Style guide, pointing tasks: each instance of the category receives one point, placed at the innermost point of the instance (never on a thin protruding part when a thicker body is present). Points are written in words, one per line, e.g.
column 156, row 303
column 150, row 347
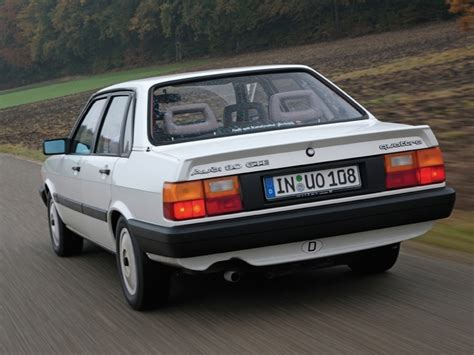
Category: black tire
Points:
column 63, row 241
column 151, row 287
column 375, row 260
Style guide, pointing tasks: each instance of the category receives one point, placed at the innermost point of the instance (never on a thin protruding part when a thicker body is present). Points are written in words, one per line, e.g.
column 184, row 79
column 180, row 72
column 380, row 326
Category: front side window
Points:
column 109, row 138
column 244, row 104
column 83, row 139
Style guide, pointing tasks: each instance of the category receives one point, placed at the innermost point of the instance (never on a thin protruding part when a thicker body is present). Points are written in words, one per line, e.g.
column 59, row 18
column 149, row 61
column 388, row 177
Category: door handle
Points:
column 76, row 168
column 104, row 171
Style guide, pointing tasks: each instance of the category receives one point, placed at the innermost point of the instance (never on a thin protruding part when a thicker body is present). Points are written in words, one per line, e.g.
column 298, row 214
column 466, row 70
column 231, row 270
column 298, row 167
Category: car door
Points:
column 69, row 167
column 97, row 170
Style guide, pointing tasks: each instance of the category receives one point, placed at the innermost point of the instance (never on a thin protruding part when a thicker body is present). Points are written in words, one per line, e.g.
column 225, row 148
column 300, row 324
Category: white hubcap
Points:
column 54, row 223
column 127, row 262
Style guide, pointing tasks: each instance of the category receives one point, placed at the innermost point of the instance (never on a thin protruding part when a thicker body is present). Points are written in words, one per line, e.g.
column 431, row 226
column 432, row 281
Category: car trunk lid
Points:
column 281, row 149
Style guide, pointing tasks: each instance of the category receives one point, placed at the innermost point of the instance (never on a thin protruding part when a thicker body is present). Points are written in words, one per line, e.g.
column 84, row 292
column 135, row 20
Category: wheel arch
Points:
column 50, row 191
column 49, row 188
column 117, row 210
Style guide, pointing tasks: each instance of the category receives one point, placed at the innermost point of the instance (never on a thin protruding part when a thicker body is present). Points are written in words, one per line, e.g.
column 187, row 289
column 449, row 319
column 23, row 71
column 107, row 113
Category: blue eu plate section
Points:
column 269, row 188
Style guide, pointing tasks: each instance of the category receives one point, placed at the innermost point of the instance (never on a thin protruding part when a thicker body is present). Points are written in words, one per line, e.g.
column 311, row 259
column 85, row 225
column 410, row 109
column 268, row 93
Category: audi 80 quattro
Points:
column 269, row 169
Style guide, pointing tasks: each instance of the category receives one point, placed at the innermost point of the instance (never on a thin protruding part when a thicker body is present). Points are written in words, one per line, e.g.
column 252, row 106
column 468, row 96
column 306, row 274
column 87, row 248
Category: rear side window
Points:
column 211, row 108
column 83, row 139
column 109, row 138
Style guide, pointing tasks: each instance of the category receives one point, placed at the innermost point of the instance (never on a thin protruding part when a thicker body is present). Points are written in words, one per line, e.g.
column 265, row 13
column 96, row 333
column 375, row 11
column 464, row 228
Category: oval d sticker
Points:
column 312, row 246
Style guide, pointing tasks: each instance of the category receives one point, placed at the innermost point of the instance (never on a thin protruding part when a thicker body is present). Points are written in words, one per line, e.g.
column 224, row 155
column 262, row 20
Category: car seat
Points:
column 206, row 124
column 279, row 111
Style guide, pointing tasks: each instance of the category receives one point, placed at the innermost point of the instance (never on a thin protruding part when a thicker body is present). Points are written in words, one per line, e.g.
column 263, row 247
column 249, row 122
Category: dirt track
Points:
column 61, row 305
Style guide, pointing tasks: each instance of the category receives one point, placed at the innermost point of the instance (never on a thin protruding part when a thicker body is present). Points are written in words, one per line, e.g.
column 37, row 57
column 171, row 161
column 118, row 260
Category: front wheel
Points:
column 64, row 241
column 375, row 260
column 145, row 283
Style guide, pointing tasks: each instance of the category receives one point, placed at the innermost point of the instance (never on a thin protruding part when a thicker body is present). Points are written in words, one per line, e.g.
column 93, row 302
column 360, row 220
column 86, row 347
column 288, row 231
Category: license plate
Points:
column 312, row 182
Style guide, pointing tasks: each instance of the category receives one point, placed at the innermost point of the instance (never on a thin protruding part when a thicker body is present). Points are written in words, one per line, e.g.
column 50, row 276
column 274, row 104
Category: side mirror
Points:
column 55, row 146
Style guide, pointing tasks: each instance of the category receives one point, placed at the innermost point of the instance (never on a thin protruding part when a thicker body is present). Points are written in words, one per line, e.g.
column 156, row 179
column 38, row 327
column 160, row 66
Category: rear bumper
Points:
column 295, row 225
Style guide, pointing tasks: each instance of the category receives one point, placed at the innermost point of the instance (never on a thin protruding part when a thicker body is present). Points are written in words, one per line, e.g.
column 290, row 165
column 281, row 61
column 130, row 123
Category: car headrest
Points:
column 243, row 113
column 277, row 105
column 207, row 121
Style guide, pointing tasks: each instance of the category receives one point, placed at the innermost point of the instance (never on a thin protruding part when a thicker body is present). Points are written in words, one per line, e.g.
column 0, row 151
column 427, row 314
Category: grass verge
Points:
column 38, row 92
column 22, row 151
column 456, row 233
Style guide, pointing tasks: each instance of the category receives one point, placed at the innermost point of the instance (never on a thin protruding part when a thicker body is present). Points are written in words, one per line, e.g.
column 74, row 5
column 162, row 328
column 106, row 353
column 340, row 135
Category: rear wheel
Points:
column 64, row 241
column 375, row 260
column 145, row 283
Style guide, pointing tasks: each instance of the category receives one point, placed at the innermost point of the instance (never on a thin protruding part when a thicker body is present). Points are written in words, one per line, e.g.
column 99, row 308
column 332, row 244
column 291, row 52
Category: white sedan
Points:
column 270, row 169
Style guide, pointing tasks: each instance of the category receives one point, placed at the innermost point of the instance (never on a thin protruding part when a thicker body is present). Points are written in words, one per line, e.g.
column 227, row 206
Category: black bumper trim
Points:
column 295, row 225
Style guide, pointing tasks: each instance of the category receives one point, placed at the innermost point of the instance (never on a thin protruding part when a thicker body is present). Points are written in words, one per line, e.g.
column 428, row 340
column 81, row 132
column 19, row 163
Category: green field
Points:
column 40, row 92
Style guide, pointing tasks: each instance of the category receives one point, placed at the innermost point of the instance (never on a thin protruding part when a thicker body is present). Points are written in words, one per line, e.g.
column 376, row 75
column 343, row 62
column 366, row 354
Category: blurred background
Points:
column 408, row 61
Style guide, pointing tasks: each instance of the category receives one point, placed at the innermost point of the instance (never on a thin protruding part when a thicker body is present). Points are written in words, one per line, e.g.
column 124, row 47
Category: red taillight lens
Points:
column 185, row 210
column 187, row 200
column 401, row 179
column 223, row 205
column 431, row 175
column 421, row 167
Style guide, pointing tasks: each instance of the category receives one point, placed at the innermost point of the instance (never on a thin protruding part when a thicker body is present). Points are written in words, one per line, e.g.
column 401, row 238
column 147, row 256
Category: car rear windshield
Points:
column 244, row 104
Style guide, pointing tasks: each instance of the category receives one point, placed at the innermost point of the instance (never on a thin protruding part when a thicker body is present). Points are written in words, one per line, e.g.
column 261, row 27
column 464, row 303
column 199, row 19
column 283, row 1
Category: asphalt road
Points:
column 48, row 304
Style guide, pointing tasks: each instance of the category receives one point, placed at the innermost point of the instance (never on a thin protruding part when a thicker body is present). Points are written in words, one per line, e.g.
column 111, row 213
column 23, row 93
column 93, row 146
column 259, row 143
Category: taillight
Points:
column 189, row 209
column 196, row 199
column 415, row 168
column 184, row 200
column 431, row 175
column 222, row 195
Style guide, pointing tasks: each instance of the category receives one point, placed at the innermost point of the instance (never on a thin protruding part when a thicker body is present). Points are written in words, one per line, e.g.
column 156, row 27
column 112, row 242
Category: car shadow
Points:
column 190, row 293
column 254, row 293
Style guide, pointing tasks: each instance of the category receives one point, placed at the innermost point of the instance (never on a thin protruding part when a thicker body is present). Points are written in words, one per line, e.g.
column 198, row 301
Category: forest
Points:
column 45, row 39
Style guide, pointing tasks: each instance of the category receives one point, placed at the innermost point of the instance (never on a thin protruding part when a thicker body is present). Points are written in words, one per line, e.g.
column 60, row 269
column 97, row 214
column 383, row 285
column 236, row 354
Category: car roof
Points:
column 146, row 83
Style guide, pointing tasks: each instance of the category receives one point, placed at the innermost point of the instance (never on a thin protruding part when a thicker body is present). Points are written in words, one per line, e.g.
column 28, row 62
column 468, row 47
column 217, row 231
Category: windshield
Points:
column 244, row 104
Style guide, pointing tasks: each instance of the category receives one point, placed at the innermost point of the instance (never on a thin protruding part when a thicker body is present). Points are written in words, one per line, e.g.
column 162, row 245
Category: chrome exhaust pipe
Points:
column 232, row 276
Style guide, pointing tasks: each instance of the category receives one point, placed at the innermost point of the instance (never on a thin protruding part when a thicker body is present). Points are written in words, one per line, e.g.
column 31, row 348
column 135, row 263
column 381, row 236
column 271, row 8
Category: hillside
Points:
column 417, row 76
